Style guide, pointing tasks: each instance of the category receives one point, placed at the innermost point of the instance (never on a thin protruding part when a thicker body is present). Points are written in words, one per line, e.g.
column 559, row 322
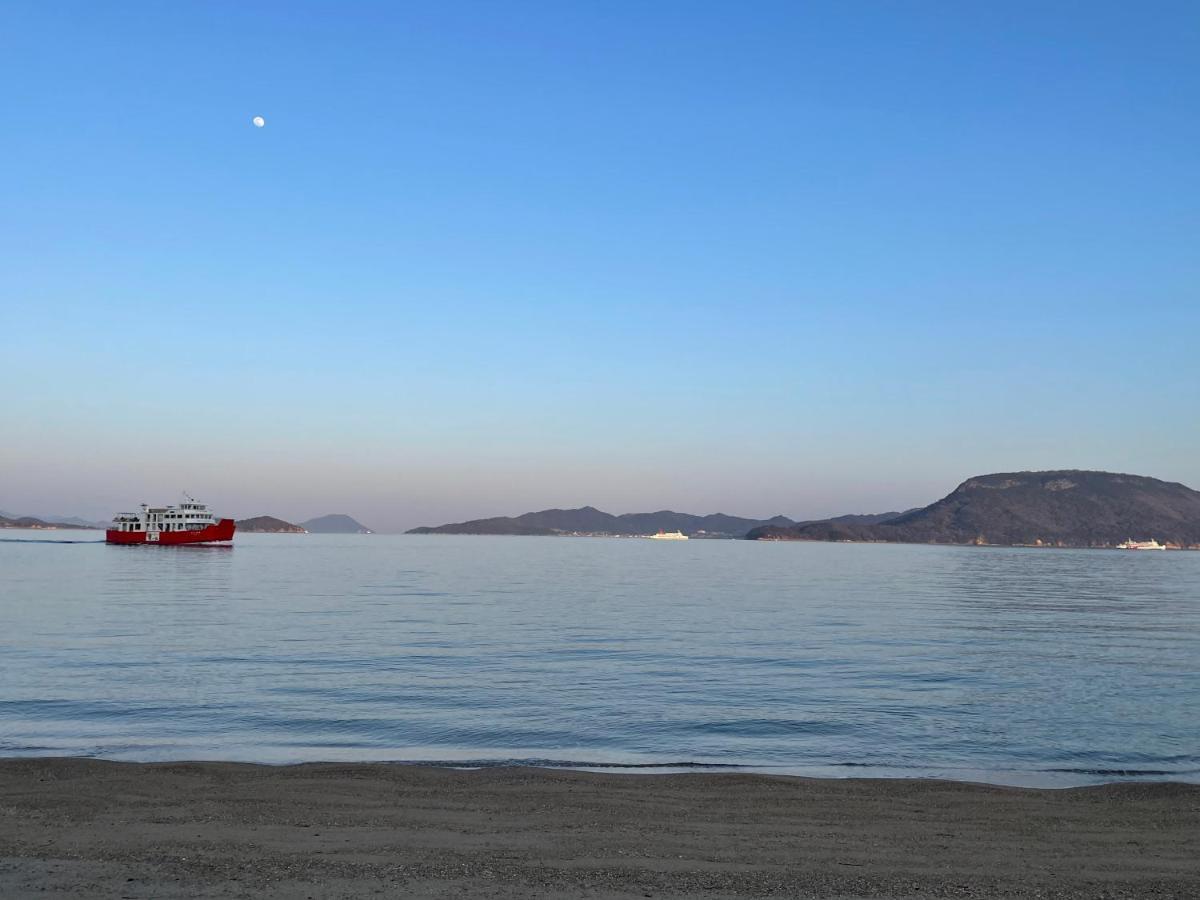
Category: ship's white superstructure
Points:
column 190, row 516
column 1141, row 545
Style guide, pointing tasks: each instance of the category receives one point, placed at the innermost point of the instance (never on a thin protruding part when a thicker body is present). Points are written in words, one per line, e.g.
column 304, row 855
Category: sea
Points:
column 1039, row 667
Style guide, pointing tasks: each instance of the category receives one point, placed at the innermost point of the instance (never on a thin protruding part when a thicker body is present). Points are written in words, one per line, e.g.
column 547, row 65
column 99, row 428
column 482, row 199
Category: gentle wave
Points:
column 45, row 541
column 1057, row 667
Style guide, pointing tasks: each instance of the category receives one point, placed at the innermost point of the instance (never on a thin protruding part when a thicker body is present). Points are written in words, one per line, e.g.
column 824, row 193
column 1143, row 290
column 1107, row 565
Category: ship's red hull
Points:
column 222, row 531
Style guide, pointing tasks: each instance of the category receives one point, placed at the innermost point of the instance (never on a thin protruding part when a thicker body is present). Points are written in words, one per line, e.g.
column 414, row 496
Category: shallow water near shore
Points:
column 1019, row 666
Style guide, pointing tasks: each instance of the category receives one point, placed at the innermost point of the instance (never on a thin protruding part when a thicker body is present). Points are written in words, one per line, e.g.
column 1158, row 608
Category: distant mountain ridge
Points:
column 32, row 522
column 1065, row 507
column 56, row 520
column 335, row 523
column 268, row 525
column 589, row 520
column 330, row 524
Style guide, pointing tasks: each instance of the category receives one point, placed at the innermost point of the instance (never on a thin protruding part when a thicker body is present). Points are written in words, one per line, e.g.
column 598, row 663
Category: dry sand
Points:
column 84, row 828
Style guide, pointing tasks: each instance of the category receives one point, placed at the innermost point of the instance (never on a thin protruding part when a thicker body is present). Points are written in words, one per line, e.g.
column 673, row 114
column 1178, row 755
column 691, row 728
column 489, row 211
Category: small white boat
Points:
column 1141, row 545
column 668, row 536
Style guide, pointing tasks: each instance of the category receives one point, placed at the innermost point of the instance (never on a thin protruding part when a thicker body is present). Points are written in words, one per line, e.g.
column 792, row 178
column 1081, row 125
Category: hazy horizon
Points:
column 484, row 260
column 382, row 517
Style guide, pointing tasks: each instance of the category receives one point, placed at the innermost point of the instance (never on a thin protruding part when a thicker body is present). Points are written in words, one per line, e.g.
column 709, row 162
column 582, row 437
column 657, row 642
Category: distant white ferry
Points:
column 1141, row 545
column 668, row 536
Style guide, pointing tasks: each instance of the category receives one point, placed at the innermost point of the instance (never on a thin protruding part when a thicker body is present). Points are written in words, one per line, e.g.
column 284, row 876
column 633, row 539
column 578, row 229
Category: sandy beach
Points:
column 86, row 828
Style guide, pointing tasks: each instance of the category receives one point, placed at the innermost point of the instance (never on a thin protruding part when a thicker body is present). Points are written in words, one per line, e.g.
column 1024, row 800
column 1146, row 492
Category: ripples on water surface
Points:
column 1020, row 666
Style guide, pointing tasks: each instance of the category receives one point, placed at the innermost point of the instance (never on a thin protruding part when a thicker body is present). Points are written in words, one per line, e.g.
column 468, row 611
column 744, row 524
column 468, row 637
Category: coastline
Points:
column 793, row 540
column 721, row 538
column 72, row 827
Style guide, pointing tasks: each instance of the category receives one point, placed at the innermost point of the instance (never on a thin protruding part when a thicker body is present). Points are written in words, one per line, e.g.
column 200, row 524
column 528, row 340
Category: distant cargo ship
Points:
column 668, row 536
column 187, row 523
column 1141, row 545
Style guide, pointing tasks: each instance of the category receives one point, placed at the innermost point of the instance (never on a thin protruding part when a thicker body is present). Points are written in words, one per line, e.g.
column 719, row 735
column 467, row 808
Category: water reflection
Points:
column 1061, row 665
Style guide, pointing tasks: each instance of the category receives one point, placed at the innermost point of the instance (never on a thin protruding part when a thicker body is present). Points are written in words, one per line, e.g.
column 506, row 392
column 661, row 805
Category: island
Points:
column 1060, row 508
column 1055, row 508
column 587, row 521
column 335, row 523
column 38, row 524
column 268, row 525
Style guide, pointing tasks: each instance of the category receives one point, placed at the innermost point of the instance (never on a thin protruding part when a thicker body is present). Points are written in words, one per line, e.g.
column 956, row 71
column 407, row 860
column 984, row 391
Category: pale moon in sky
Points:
column 259, row 121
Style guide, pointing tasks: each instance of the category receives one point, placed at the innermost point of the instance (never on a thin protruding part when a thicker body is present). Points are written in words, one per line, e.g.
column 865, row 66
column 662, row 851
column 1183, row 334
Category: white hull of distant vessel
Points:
column 1141, row 545
column 668, row 536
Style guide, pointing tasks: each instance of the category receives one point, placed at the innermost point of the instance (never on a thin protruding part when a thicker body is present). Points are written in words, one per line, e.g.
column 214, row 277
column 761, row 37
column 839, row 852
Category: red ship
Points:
column 187, row 523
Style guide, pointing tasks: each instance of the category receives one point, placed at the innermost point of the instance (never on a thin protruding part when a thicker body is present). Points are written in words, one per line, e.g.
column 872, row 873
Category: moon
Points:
column 259, row 121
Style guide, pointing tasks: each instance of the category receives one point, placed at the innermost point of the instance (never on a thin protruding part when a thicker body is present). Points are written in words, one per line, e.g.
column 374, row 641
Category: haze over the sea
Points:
column 482, row 259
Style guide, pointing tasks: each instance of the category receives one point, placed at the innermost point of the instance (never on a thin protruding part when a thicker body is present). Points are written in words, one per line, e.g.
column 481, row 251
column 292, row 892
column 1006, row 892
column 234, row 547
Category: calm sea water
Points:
column 1016, row 666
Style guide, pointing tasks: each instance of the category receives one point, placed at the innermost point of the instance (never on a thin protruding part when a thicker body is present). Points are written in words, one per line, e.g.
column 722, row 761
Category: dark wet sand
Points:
column 83, row 828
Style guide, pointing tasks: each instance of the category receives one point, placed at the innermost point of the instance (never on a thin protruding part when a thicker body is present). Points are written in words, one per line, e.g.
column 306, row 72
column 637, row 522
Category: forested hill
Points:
column 268, row 525
column 335, row 523
column 1068, row 508
column 589, row 520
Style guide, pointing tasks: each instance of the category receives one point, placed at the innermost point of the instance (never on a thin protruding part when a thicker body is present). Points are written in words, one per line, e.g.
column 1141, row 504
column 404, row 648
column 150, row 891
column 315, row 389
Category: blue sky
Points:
column 800, row 258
